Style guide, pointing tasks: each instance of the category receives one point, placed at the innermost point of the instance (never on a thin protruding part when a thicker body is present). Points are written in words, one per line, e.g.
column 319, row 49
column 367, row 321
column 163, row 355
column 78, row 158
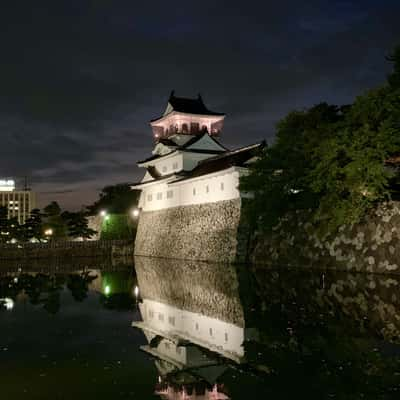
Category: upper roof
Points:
column 188, row 146
column 187, row 106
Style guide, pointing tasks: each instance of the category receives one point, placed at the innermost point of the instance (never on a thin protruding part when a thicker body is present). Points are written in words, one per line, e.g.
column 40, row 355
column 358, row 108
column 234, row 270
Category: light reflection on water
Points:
column 201, row 331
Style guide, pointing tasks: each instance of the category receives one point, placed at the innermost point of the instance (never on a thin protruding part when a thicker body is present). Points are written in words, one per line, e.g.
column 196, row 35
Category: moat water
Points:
column 178, row 330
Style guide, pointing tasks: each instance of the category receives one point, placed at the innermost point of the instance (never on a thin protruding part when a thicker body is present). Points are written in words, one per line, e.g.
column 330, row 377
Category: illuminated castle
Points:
column 188, row 168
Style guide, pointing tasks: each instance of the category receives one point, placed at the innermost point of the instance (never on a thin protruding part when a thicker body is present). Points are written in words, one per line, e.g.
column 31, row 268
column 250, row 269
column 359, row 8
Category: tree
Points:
column 4, row 225
column 116, row 199
column 350, row 176
column 279, row 179
column 33, row 227
column 77, row 225
column 117, row 227
column 394, row 77
column 54, row 220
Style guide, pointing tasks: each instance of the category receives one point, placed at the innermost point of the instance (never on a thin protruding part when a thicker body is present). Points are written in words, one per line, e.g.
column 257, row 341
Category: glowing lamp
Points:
column 135, row 212
column 103, row 213
column 8, row 303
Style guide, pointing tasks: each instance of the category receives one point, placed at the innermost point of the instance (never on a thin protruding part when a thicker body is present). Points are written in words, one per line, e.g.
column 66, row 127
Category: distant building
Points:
column 19, row 203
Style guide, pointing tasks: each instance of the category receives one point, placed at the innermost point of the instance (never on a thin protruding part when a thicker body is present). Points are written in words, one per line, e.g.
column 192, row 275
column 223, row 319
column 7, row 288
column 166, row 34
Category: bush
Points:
column 117, row 227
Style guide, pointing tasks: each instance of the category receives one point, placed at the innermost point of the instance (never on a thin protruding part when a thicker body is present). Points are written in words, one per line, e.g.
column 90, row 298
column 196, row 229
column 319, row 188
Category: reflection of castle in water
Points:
column 194, row 323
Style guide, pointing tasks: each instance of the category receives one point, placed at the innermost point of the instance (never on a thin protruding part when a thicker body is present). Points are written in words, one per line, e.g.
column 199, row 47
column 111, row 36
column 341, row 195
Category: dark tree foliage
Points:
column 394, row 77
column 117, row 227
column 33, row 227
column 279, row 180
column 116, row 199
column 77, row 225
column 54, row 220
column 330, row 160
column 4, row 225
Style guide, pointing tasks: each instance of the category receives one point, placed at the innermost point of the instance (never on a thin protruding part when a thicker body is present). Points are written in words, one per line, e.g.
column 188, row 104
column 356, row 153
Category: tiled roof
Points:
column 235, row 158
column 189, row 106
column 184, row 147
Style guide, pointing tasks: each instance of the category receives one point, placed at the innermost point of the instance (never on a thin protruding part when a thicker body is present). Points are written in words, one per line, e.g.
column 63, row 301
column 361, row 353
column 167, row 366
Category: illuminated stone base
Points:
column 206, row 232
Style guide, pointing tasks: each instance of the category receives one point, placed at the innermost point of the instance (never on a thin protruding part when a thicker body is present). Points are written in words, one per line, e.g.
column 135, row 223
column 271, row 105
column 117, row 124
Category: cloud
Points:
column 80, row 81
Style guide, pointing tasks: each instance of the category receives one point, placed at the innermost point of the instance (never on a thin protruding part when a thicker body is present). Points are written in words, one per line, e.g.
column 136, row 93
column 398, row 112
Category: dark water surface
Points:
column 182, row 330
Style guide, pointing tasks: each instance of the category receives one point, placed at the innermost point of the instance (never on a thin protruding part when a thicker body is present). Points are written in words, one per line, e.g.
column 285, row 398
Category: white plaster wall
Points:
column 208, row 189
column 212, row 333
column 166, row 166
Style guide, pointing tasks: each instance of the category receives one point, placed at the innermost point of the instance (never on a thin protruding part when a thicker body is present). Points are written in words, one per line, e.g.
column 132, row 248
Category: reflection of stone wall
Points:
column 371, row 246
column 368, row 304
column 198, row 232
column 208, row 289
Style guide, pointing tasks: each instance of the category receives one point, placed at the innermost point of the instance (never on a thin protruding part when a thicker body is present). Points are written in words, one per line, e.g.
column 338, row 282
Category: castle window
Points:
column 207, row 189
column 197, row 326
column 171, row 320
column 222, row 186
column 226, row 337
column 164, row 169
column 161, row 317
column 178, row 350
column 149, row 197
column 211, row 332
column 175, row 165
column 170, row 194
column 194, row 127
column 151, row 314
column 159, row 196
column 194, row 191
column 185, row 128
column 167, row 345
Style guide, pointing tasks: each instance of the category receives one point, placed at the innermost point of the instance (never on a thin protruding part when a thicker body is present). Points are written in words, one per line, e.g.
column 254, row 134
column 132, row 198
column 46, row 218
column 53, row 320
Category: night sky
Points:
column 79, row 80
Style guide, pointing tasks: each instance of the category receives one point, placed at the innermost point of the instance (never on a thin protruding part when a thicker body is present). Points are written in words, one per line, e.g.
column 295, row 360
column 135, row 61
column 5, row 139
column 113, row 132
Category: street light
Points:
column 135, row 212
column 48, row 232
column 103, row 213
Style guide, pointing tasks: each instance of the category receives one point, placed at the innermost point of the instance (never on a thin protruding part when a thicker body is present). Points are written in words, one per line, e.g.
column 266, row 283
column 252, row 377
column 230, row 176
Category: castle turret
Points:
column 188, row 117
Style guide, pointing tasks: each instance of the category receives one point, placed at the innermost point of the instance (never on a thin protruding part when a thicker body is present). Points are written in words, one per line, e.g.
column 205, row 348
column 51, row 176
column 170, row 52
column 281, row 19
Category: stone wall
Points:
column 370, row 246
column 198, row 232
column 66, row 250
